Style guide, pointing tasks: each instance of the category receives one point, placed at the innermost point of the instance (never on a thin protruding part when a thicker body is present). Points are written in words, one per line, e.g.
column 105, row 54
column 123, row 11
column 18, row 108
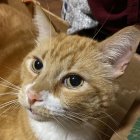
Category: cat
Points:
column 66, row 82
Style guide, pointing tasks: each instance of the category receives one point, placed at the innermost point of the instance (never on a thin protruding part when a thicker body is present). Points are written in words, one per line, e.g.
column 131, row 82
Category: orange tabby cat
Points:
column 67, row 82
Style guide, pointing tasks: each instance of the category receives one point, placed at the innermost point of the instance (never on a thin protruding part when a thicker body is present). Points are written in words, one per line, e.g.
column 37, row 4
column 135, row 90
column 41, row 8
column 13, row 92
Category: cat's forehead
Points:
column 63, row 47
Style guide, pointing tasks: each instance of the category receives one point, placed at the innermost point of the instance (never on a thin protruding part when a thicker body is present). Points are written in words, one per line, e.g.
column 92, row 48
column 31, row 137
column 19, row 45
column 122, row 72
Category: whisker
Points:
column 11, row 69
column 103, row 23
column 108, row 127
column 109, row 116
column 16, row 93
column 71, row 118
column 77, row 115
column 58, row 121
column 10, row 83
column 7, row 109
column 75, row 118
column 7, row 84
column 96, row 128
column 100, row 131
column 8, row 103
column 11, row 93
column 9, row 87
column 15, row 105
column 12, row 107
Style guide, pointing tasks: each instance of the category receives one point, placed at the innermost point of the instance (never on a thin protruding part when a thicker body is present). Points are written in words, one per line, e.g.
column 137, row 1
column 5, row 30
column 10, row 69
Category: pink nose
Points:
column 33, row 97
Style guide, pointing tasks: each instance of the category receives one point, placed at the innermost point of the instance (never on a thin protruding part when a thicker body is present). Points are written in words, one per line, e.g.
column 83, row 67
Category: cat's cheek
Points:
column 51, row 102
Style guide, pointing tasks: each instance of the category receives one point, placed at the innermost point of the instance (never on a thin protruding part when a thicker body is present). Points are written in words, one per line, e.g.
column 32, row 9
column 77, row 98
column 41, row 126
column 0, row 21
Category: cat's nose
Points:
column 33, row 97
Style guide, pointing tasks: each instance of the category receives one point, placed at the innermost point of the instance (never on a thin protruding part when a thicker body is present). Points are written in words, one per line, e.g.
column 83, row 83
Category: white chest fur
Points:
column 52, row 131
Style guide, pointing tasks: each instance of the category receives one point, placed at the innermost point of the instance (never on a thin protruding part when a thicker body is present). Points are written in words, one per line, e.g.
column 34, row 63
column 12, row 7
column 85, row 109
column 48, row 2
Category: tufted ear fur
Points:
column 119, row 48
column 44, row 26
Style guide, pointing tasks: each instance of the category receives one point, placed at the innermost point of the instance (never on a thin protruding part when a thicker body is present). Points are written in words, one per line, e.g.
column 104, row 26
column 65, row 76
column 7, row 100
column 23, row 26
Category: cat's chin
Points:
column 37, row 117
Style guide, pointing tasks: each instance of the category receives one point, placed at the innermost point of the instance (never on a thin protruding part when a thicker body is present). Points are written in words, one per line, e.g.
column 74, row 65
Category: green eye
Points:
column 37, row 65
column 73, row 81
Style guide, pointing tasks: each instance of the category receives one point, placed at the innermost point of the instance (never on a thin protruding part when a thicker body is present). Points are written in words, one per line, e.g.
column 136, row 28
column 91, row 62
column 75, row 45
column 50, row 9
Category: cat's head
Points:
column 69, row 77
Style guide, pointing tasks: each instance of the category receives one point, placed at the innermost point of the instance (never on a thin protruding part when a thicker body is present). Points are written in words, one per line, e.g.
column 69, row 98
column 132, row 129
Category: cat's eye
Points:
column 73, row 81
column 37, row 65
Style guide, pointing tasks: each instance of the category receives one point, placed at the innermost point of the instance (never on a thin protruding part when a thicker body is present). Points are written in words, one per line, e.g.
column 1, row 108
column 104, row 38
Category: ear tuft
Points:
column 118, row 50
column 44, row 26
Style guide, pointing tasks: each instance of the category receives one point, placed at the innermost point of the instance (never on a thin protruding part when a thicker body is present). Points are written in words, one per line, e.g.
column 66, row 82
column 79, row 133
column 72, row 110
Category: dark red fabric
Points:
column 115, row 14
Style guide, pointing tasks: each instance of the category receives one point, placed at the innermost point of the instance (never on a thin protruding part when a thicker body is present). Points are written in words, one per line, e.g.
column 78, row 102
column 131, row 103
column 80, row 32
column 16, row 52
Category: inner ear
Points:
column 43, row 24
column 118, row 50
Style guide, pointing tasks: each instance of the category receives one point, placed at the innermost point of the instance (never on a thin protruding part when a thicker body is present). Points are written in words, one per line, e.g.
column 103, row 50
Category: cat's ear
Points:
column 43, row 24
column 118, row 50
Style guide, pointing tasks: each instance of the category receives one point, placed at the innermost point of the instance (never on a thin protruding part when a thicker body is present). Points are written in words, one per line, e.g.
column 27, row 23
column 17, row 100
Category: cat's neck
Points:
column 53, row 131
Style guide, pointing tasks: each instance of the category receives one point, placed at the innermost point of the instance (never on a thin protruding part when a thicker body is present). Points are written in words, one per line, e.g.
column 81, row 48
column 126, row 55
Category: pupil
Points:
column 75, row 80
column 66, row 6
column 38, row 65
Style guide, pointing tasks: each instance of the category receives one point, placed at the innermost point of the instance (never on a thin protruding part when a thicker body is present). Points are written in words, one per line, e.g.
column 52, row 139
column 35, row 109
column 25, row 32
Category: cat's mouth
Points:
column 38, row 115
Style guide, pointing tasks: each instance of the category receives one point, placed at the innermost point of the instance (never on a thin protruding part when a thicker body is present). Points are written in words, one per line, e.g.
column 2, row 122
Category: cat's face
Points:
column 71, row 78
column 67, row 75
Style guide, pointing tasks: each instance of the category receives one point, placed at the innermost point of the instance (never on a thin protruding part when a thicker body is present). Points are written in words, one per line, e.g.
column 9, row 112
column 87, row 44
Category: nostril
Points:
column 31, row 101
column 33, row 97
